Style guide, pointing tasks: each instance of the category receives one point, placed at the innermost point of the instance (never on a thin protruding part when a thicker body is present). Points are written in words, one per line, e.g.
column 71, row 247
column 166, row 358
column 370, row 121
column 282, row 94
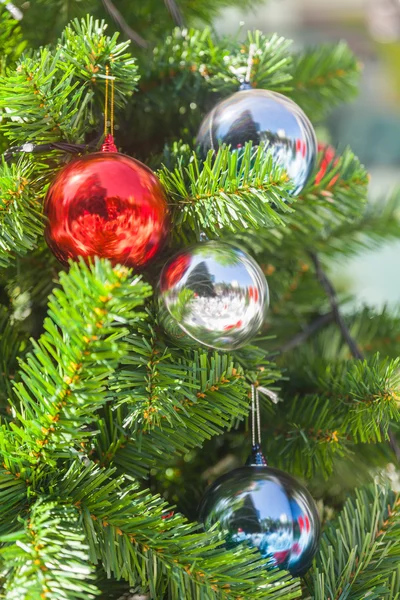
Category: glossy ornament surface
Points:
column 267, row 118
column 214, row 293
column 109, row 205
column 328, row 157
column 268, row 509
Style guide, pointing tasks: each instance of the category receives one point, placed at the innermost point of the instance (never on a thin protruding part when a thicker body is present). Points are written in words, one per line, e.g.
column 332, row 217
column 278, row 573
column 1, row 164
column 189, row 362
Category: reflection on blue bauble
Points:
column 263, row 118
column 267, row 509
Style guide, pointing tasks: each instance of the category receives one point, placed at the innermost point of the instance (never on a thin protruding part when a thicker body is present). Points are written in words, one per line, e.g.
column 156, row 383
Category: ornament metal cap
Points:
column 245, row 85
column 256, row 458
column 109, row 144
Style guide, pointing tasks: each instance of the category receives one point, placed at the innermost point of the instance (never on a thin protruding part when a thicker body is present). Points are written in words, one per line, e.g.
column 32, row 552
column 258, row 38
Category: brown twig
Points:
column 333, row 301
column 307, row 332
column 120, row 21
column 350, row 341
column 175, row 12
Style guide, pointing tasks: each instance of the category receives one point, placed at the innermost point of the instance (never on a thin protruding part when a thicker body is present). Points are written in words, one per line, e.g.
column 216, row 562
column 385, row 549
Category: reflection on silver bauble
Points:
column 267, row 509
column 266, row 118
column 214, row 293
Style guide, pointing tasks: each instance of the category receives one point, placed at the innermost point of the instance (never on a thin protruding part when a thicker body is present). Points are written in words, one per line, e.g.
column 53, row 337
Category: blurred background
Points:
column 371, row 125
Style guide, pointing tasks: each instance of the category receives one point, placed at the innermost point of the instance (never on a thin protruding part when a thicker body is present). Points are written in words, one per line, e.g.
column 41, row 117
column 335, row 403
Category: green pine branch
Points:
column 13, row 494
column 371, row 399
column 271, row 63
column 226, row 193
column 167, row 401
column 52, row 95
column 340, row 195
column 324, row 77
column 178, row 56
column 317, row 79
column 337, row 406
column 37, row 103
column 135, row 538
column 310, row 439
column 360, row 551
column 89, row 50
column 64, row 379
column 20, row 212
column 12, row 344
column 12, row 42
column 377, row 225
column 47, row 558
column 338, row 200
column 171, row 401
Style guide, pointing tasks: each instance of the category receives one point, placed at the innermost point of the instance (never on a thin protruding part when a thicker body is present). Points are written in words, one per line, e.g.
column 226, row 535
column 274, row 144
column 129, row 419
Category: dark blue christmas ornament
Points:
column 267, row 509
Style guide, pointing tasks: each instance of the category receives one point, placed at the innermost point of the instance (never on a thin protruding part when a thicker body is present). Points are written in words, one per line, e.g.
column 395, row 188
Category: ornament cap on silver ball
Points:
column 245, row 85
column 213, row 293
column 256, row 458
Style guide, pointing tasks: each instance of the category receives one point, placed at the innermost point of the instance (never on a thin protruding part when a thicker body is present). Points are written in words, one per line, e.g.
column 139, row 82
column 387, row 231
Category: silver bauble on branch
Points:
column 265, row 508
column 214, row 294
column 264, row 118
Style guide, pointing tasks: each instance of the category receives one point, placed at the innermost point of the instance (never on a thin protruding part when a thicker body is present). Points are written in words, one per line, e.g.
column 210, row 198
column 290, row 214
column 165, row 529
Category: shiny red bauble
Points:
column 108, row 205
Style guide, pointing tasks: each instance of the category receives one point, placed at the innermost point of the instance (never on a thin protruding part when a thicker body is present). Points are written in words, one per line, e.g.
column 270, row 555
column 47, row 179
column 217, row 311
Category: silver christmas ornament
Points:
column 215, row 294
column 266, row 118
column 265, row 508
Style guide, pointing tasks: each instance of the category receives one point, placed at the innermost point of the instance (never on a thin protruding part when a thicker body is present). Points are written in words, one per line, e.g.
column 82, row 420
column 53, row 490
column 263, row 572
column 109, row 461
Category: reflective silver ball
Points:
column 266, row 118
column 215, row 294
column 265, row 508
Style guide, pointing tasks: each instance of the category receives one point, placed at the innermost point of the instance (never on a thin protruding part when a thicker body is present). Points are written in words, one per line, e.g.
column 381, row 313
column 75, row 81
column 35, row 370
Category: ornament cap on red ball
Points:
column 109, row 144
column 109, row 205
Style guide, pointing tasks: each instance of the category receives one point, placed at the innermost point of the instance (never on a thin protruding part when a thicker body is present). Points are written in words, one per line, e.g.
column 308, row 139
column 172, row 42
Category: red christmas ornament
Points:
column 327, row 157
column 109, row 205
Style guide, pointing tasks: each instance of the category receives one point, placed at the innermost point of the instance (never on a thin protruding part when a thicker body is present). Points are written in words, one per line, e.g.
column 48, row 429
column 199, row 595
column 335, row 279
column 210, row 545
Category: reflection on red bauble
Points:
column 109, row 205
column 178, row 267
column 327, row 158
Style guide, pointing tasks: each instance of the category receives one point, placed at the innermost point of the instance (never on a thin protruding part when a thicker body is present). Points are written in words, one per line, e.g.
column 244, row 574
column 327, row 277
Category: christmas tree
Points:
column 111, row 428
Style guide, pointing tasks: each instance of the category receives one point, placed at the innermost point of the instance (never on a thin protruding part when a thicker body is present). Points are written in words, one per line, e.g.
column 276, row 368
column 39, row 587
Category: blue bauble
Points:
column 264, row 118
column 267, row 509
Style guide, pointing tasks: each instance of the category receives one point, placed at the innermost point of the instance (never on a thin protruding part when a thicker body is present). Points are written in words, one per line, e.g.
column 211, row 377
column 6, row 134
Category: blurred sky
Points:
column 371, row 125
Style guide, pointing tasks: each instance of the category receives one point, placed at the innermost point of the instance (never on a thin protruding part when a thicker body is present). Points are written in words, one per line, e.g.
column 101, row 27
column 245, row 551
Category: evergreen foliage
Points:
column 109, row 431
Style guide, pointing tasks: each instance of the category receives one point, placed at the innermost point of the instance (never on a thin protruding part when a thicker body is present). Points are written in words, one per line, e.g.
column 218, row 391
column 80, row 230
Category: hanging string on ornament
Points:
column 264, row 508
column 109, row 144
column 256, row 457
column 106, row 204
column 246, row 83
column 269, row 393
